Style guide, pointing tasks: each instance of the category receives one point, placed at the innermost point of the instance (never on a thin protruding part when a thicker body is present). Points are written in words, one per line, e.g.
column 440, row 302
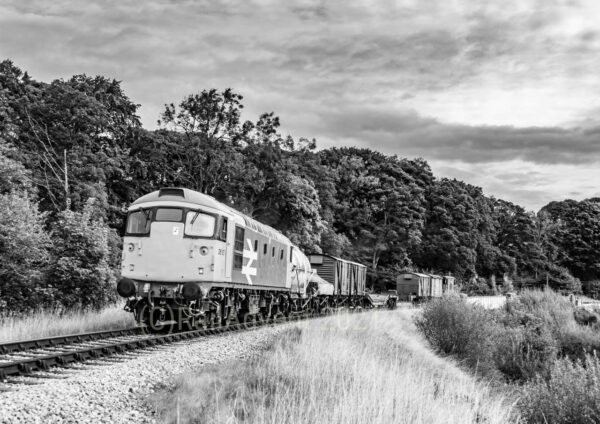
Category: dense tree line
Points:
column 74, row 155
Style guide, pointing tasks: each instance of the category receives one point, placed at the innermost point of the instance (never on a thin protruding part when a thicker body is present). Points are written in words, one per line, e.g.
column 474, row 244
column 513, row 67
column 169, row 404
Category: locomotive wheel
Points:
column 152, row 316
column 260, row 319
column 248, row 319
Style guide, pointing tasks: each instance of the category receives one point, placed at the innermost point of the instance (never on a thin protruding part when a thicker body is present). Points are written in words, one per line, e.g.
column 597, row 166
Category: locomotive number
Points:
column 221, row 252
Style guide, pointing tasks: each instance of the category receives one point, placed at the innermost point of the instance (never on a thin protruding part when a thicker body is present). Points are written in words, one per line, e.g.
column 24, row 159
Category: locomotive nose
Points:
column 126, row 287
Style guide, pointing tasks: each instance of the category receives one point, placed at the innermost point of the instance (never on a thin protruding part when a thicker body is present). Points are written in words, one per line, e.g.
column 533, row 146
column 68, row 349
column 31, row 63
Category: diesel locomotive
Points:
column 191, row 260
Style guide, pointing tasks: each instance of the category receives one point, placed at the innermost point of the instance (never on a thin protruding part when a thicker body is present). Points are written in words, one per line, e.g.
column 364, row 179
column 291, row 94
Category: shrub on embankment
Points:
column 538, row 341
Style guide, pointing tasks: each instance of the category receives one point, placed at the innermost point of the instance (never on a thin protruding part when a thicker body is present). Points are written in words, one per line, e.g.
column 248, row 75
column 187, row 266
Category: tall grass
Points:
column 47, row 323
column 538, row 340
column 364, row 368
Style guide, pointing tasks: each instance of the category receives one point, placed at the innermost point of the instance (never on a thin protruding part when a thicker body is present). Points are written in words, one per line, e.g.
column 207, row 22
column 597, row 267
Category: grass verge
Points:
column 361, row 368
column 47, row 323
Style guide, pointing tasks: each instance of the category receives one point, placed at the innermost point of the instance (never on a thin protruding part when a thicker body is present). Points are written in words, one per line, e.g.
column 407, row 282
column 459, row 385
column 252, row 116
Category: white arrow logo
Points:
column 252, row 256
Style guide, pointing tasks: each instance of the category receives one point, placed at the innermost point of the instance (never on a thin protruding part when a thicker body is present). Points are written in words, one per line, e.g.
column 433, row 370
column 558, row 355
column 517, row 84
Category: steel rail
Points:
column 56, row 341
column 26, row 366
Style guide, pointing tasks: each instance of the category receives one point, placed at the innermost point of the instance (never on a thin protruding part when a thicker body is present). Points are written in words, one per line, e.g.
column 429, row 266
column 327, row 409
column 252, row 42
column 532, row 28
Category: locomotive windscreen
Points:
column 199, row 224
column 138, row 222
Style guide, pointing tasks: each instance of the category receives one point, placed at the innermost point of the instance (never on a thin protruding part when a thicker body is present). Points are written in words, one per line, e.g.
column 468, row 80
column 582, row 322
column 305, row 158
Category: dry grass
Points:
column 47, row 323
column 362, row 368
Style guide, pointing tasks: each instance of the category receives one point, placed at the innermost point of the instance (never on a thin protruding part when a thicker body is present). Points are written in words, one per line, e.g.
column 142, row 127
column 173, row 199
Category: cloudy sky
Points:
column 502, row 94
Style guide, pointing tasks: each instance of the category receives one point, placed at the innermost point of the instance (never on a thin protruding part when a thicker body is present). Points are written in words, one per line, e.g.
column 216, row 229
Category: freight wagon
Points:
column 436, row 285
column 414, row 286
column 348, row 278
column 448, row 284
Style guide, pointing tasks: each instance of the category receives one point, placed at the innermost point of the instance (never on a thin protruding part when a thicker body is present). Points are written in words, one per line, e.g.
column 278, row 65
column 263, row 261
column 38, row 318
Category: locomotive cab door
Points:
column 225, row 236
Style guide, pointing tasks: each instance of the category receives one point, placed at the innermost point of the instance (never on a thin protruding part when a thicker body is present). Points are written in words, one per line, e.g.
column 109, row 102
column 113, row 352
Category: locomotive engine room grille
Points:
column 238, row 248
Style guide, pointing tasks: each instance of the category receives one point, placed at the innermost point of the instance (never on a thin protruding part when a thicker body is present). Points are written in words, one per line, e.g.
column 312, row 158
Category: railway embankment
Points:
column 349, row 368
column 539, row 345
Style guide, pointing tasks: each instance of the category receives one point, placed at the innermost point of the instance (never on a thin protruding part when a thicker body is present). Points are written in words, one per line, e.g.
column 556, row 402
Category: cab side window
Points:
column 223, row 232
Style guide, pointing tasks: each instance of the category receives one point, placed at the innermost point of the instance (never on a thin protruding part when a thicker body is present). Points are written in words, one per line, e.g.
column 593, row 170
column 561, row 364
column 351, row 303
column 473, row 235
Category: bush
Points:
column 557, row 317
column 455, row 327
column 552, row 308
column 519, row 342
column 81, row 269
column 578, row 342
column 571, row 394
column 592, row 289
column 521, row 353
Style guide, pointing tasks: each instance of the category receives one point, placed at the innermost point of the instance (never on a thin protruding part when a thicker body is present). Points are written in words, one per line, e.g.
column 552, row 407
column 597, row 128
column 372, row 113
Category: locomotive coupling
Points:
column 126, row 287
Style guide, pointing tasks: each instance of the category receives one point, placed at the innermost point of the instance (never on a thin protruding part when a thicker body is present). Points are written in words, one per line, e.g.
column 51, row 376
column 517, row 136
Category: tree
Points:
column 23, row 253
column 577, row 236
column 379, row 204
column 210, row 114
column 73, row 130
column 80, row 268
column 13, row 175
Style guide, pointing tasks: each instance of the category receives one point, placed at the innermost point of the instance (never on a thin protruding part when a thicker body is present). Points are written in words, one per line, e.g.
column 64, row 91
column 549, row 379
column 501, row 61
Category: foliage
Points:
column 571, row 394
column 80, row 268
column 13, row 175
column 84, row 120
column 454, row 327
column 524, row 351
column 518, row 342
column 379, row 203
column 577, row 235
column 24, row 253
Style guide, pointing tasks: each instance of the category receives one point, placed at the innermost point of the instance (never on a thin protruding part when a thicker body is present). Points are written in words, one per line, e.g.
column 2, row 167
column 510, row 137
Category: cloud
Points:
column 526, row 183
column 407, row 133
column 474, row 82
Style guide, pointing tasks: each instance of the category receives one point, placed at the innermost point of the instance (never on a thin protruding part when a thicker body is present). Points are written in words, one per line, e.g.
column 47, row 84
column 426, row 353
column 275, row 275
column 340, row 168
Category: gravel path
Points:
column 114, row 392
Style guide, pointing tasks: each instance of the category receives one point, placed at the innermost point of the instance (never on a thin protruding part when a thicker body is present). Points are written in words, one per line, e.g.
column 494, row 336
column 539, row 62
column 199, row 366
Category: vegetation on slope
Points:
column 362, row 368
column 538, row 341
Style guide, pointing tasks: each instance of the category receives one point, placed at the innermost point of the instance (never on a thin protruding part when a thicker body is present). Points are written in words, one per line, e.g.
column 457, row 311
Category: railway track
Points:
column 24, row 358
column 49, row 342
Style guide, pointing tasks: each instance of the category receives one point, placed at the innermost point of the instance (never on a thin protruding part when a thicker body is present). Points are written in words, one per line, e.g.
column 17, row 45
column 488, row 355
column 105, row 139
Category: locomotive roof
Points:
column 185, row 195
